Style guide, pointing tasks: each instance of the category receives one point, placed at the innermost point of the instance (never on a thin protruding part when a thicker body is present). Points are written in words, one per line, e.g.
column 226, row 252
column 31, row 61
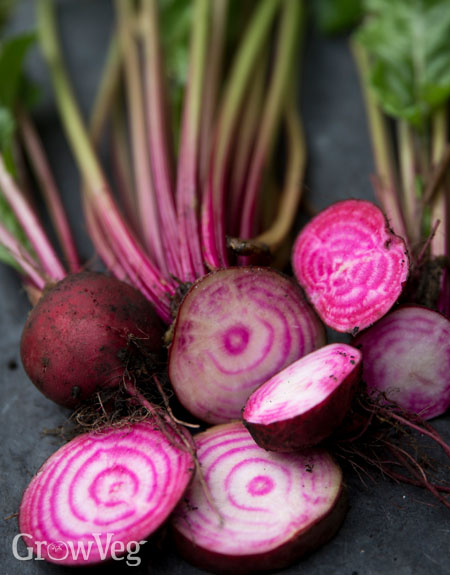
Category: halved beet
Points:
column 303, row 404
column 350, row 264
column 236, row 328
column 261, row 510
column 407, row 357
column 103, row 491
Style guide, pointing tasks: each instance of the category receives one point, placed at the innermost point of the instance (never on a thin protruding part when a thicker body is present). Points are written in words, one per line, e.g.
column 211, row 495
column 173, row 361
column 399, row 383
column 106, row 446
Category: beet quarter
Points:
column 350, row 264
column 264, row 510
column 304, row 403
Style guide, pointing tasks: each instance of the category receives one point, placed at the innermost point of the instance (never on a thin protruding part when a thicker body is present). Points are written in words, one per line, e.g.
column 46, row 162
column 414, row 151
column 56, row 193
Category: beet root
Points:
column 304, row 403
column 76, row 340
column 236, row 328
column 351, row 265
column 260, row 510
column 103, row 491
column 407, row 357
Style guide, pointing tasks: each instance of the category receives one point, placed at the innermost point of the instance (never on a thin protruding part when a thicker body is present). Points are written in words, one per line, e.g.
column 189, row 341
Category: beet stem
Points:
column 213, row 221
column 148, row 211
column 23, row 258
column 188, row 178
column 288, row 32
column 158, row 139
column 293, row 187
column 386, row 185
column 49, row 189
column 30, row 224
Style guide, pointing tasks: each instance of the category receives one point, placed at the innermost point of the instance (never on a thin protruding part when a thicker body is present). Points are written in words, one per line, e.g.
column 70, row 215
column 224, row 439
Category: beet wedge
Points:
column 304, row 403
column 262, row 510
column 350, row 264
column 236, row 328
column 103, row 491
column 407, row 357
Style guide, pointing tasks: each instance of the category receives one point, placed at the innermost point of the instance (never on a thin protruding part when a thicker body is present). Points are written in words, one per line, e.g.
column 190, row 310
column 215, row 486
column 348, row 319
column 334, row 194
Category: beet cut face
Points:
column 350, row 264
column 235, row 329
column 406, row 355
column 271, row 508
column 123, row 482
column 304, row 403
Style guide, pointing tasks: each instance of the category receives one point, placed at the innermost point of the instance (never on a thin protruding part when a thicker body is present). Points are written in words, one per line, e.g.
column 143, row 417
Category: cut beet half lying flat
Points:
column 103, row 491
column 235, row 329
column 303, row 404
column 350, row 264
column 262, row 510
column 407, row 357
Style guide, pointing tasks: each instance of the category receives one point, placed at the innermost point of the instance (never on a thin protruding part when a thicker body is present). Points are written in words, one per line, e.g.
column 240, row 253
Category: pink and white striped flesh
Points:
column 303, row 404
column 261, row 510
column 407, row 357
column 351, row 265
column 236, row 328
column 102, row 491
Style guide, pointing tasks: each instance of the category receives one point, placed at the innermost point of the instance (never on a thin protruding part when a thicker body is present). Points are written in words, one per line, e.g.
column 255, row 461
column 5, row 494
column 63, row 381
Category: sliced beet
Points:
column 406, row 355
column 261, row 510
column 236, row 328
column 303, row 404
column 350, row 264
column 102, row 491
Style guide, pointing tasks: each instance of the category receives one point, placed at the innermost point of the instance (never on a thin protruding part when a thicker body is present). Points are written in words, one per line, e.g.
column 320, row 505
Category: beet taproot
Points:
column 77, row 338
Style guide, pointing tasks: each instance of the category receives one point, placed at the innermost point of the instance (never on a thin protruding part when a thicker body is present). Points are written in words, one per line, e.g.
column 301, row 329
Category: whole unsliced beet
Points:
column 76, row 339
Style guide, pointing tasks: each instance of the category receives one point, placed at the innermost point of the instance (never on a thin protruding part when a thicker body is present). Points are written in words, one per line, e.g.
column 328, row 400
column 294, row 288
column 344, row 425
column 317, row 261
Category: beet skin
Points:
column 76, row 339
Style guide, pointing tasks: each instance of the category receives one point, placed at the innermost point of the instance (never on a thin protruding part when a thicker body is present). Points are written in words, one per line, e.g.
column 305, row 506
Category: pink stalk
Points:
column 101, row 243
column 213, row 221
column 31, row 225
column 271, row 117
column 158, row 131
column 49, row 190
column 188, row 180
column 145, row 193
column 140, row 270
column 214, row 63
column 292, row 192
column 121, row 167
column 23, row 258
column 245, row 144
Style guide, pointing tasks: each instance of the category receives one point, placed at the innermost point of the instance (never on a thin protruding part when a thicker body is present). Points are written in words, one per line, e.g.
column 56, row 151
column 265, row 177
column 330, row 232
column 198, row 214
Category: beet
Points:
column 260, row 510
column 407, row 357
column 351, row 265
column 303, row 404
column 76, row 340
column 236, row 328
column 103, row 491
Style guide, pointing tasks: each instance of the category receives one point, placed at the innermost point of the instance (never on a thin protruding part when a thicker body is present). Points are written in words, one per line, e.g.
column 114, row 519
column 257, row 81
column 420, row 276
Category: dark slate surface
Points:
column 390, row 529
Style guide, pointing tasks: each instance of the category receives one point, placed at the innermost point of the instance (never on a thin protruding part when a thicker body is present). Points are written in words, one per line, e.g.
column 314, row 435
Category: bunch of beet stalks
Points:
column 187, row 245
